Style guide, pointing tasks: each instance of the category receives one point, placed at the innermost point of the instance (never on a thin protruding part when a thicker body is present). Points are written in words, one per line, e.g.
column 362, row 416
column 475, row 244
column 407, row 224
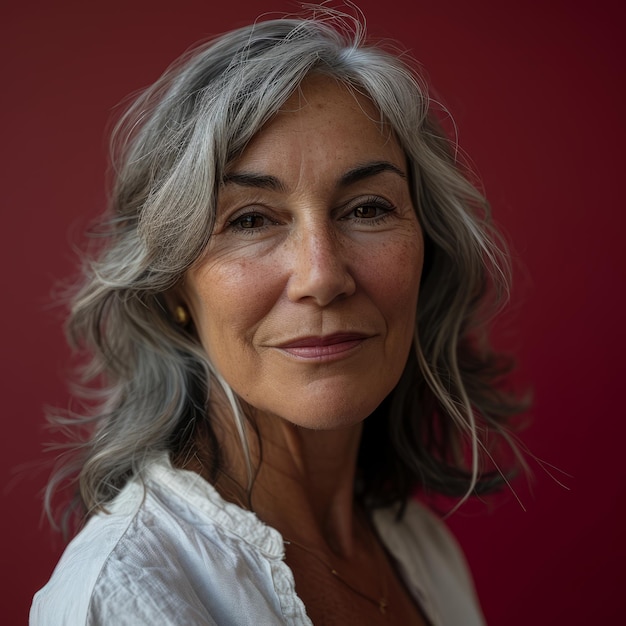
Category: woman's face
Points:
column 305, row 298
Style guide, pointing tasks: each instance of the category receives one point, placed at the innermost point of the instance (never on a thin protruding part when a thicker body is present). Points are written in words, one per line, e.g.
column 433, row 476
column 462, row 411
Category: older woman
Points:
column 283, row 322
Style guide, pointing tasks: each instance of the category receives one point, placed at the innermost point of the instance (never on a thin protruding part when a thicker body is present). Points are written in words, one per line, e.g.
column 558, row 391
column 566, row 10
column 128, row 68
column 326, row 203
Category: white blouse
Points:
column 172, row 552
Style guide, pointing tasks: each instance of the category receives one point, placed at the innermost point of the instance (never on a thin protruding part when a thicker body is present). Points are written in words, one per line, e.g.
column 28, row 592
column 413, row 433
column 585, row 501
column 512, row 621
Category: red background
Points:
column 537, row 92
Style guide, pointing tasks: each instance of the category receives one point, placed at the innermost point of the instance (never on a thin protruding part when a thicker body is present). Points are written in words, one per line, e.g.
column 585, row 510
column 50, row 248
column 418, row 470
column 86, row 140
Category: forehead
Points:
column 324, row 123
column 320, row 93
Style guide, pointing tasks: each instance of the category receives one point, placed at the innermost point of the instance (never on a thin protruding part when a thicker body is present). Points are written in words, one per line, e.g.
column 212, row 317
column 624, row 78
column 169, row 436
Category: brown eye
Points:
column 366, row 212
column 247, row 222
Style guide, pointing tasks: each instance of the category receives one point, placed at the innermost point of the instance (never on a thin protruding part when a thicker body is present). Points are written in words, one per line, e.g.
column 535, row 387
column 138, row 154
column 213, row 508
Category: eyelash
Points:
column 235, row 224
column 375, row 202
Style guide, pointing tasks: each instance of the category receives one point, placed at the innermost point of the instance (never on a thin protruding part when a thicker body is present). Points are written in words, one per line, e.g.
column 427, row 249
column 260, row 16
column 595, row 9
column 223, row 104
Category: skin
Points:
column 305, row 302
column 312, row 258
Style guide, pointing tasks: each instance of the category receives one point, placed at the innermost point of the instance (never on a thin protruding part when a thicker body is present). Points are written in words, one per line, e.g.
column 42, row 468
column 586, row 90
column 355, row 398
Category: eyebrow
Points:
column 367, row 170
column 356, row 174
column 248, row 179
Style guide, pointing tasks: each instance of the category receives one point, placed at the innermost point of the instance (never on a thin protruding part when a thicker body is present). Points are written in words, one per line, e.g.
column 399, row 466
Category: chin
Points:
column 321, row 415
column 330, row 403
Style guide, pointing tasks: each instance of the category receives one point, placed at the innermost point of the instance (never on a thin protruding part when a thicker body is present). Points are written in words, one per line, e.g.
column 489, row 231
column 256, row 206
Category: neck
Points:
column 305, row 482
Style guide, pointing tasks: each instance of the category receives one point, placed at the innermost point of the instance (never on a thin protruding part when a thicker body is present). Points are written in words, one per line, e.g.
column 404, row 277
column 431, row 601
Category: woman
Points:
column 284, row 321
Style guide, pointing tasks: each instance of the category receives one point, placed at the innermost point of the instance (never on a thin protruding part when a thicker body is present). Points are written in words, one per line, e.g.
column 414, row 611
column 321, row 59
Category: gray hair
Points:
column 152, row 379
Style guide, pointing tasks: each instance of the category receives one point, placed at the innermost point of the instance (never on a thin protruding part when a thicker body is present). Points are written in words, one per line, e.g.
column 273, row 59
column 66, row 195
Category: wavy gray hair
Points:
column 170, row 151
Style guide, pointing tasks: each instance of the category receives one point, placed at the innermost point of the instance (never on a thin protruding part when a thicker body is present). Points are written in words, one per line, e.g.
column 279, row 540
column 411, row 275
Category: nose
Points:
column 319, row 266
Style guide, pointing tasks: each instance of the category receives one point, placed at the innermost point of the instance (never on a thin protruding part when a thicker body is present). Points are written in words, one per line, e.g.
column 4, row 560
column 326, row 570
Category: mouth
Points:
column 323, row 348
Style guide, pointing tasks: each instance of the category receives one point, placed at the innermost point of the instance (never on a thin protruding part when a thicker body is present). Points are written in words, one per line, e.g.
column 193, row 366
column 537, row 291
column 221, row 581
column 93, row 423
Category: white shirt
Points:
column 172, row 552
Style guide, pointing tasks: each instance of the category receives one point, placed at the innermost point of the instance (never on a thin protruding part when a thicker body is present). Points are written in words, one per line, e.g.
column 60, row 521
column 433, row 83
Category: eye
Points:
column 249, row 221
column 369, row 210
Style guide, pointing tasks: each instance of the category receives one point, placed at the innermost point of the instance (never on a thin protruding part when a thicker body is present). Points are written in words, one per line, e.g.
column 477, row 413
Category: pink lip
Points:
column 323, row 347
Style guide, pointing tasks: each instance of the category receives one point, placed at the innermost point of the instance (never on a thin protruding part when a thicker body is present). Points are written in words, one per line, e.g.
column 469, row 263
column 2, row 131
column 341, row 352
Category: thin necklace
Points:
column 382, row 603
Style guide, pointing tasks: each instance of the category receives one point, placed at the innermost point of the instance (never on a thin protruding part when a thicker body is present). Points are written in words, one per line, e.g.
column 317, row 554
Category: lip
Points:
column 325, row 347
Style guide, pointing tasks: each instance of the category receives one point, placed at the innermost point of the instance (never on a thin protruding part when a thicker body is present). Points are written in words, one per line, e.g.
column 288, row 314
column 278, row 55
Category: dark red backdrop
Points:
column 537, row 92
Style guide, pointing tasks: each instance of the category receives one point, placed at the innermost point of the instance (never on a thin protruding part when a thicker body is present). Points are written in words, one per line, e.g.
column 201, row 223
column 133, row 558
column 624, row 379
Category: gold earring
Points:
column 181, row 316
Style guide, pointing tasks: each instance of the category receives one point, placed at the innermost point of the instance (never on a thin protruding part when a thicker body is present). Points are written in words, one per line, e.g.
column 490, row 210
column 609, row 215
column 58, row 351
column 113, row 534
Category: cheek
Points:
column 227, row 301
column 395, row 274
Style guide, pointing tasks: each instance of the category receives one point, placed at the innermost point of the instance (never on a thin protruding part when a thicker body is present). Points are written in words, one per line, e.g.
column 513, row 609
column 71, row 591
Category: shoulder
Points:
column 431, row 562
column 169, row 552
column 84, row 568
